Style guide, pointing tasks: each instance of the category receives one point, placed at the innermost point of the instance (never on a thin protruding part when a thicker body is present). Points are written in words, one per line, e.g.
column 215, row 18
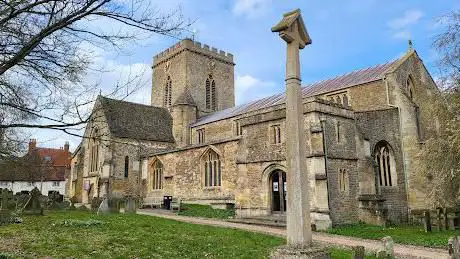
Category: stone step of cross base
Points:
column 279, row 222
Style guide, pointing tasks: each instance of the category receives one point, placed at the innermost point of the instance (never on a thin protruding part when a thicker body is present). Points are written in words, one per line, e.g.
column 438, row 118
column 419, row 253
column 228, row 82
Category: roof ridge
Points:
column 130, row 102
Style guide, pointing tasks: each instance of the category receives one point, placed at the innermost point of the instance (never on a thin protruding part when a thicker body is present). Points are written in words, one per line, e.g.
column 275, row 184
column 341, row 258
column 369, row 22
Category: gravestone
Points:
column 6, row 196
column 388, row 246
column 451, row 221
column 33, row 205
column 358, row 252
column 454, row 247
column 104, row 207
column 130, row 205
column 426, row 221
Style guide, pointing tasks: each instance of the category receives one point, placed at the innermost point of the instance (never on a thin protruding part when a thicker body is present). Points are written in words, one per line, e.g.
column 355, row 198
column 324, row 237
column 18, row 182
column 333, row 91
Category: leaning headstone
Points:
column 33, row 205
column 104, row 207
column 426, row 221
column 358, row 252
column 454, row 247
column 388, row 246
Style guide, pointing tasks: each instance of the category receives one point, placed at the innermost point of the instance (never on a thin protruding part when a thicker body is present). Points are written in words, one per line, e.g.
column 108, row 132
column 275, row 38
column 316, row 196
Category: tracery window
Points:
column 157, row 176
column 94, row 151
column 212, row 169
column 200, row 135
column 168, row 92
column 211, row 100
column 384, row 159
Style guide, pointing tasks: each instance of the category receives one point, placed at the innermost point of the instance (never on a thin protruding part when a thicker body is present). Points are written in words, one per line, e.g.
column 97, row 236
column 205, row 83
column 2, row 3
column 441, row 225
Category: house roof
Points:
column 357, row 77
column 47, row 164
column 137, row 121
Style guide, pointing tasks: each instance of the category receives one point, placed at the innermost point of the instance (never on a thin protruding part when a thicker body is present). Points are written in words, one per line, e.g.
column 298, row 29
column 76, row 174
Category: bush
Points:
column 205, row 211
column 74, row 199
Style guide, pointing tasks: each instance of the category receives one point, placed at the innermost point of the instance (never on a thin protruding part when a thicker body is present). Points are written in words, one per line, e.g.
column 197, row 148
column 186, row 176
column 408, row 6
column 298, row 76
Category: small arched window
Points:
column 211, row 96
column 385, row 164
column 212, row 169
column 157, row 176
column 126, row 166
column 94, row 151
column 410, row 87
column 168, row 92
column 343, row 180
column 345, row 100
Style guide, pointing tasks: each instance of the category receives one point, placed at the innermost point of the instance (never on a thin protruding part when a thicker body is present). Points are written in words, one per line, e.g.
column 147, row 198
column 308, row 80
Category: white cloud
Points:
column 410, row 17
column 251, row 8
column 400, row 26
column 249, row 88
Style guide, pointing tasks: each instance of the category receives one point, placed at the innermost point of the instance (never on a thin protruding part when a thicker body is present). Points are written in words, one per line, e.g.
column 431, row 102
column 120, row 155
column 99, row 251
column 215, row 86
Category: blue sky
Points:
column 347, row 35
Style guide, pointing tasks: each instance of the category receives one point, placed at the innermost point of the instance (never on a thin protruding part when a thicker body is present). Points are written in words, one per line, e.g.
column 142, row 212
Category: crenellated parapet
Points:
column 192, row 46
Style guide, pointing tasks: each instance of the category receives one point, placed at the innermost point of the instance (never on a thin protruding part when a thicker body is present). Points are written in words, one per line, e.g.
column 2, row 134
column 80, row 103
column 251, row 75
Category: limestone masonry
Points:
column 362, row 133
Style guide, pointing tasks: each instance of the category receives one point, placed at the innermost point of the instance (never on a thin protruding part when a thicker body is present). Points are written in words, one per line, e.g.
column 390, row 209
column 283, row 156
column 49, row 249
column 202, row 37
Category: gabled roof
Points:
column 137, row 121
column 354, row 78
column 185, row 98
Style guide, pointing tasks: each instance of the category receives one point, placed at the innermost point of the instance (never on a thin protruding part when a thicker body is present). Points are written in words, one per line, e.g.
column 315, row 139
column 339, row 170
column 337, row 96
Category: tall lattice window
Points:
column 157, row 176
column 212, row 169
column 94, row 151
column 168, row 92
column 385, row 165
column 211, row 96
column 126, row 166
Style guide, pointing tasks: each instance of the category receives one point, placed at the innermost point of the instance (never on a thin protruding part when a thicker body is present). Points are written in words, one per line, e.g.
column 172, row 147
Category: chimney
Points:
column 66, row 146
column 32, row 145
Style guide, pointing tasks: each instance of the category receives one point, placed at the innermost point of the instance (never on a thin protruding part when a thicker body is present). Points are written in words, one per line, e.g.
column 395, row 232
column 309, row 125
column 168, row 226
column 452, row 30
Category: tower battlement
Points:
column 193, row 46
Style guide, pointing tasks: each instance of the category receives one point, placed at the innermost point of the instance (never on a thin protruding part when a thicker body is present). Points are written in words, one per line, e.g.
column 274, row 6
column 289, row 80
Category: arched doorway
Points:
column 278, row 191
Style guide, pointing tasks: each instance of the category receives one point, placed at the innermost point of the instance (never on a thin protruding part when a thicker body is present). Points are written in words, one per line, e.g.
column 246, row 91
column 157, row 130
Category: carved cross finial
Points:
column 410, row 44
column 292, row 29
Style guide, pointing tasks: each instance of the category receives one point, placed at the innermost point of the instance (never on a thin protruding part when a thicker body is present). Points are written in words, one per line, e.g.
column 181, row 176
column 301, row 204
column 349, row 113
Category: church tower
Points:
column 204, row 72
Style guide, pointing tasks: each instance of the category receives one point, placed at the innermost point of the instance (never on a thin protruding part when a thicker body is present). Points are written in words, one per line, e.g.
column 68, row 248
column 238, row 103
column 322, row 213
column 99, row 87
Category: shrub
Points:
column 95, row 203
column 74, row 199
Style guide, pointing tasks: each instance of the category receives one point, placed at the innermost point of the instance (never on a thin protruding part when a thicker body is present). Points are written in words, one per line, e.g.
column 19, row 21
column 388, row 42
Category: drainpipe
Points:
column 323, row 130
column 402, row 142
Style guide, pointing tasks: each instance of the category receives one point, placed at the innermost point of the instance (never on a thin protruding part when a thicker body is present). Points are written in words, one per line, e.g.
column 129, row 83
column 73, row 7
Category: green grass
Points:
column 79, row 234
column 337, row 253
column 205, row 211
column 411, row 235
column 127, row 236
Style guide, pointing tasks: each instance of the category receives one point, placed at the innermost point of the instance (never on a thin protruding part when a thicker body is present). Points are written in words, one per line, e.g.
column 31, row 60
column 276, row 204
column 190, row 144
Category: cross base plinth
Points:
column 293, row 252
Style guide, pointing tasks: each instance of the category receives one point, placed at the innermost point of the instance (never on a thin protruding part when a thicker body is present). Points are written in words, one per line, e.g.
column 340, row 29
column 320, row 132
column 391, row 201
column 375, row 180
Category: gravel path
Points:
column 402, row 251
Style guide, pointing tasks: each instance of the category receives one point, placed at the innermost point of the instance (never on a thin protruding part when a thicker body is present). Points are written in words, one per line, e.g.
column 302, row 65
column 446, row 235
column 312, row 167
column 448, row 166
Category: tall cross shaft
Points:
column 292, row 30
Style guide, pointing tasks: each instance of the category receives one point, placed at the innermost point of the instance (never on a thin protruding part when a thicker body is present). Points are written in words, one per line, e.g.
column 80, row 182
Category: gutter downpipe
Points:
column 402, row 142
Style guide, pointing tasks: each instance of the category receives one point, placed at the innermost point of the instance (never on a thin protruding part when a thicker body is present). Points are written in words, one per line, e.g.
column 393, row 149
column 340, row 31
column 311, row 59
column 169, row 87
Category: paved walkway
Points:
column 403, row 251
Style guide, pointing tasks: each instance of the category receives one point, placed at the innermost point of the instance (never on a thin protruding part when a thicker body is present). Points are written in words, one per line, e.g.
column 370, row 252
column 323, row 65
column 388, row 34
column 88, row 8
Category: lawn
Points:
column 411, row 235
column 81, row 234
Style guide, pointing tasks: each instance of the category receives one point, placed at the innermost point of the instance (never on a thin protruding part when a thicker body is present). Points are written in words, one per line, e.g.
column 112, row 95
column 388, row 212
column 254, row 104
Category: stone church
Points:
column 363, row 131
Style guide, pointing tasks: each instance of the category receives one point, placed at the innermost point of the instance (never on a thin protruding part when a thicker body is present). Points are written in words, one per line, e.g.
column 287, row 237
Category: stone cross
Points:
column 292, row 30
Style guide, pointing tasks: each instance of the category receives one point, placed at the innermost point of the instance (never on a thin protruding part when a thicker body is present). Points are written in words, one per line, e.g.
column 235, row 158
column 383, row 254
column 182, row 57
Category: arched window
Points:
column 345, row 100
column 338, row 100
column 211, row 97
column 157, row 176
column 126, row 166
column 385, row 164
column 94, row 151
column 410, row 87
column 168, row 92
column 343, row 180
column 212, row 169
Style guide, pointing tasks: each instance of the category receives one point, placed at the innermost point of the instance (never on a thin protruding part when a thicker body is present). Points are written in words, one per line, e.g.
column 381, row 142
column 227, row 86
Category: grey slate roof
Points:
column 137, row 121
column 354, row 78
